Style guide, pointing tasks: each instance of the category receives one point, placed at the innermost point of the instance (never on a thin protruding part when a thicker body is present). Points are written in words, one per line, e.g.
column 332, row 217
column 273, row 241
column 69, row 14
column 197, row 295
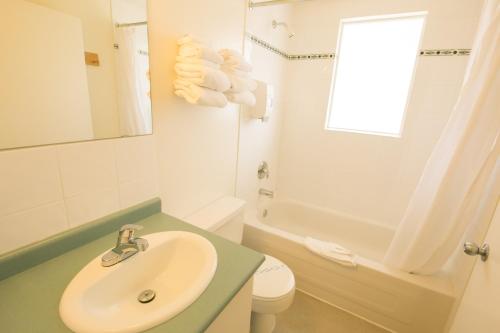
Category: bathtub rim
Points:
column 439, row 283
column 325, row 210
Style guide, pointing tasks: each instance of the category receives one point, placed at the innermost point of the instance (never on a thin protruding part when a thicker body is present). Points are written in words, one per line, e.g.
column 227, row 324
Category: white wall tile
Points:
column 259, row 141
column 350, row 172
column 87, row 167
column 136, row 158
column 31, row 225
column 137, row 167
column 28, row 178
column 137, row 191
column 50, row 189
column 89, row 206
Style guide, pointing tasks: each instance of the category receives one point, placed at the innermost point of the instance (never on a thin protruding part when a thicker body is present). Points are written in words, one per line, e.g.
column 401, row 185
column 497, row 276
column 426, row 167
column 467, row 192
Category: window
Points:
column 375, row 63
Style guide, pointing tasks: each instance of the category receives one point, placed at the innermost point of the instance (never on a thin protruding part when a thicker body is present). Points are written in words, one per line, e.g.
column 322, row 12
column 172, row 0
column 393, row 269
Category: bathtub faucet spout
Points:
column 266, row 193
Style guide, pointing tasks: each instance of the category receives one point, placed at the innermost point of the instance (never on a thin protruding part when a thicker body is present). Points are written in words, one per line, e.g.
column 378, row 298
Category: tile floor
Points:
column 309, row 315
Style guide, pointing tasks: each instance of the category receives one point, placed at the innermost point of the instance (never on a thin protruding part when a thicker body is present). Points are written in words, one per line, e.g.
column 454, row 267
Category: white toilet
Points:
column 273, row 284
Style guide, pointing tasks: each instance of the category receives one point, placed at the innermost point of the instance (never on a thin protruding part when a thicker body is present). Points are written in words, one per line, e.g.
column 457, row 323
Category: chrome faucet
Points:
column 126, row 246
column 266, row 193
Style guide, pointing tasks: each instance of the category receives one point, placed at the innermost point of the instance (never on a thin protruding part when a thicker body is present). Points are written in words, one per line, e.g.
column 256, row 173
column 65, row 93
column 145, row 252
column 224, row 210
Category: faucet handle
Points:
column 126, row 233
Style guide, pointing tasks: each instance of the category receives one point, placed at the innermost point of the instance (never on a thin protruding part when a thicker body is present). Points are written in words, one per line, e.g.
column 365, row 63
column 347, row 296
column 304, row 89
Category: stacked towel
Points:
column 238, row 71
column 195, row 94
column 190, row 46
column 331, row 251
column 234, row 60
column 203, row 75
column 188, row 39
column 240, row 82
column 199, row 77
column 197, row 61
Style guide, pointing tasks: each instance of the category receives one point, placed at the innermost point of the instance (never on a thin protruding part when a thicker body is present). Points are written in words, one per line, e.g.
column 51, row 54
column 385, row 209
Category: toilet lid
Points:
column 273, row 279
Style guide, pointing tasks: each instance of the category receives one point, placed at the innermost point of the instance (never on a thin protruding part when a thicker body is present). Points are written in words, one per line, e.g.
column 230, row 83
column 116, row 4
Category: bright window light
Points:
column 376, row 57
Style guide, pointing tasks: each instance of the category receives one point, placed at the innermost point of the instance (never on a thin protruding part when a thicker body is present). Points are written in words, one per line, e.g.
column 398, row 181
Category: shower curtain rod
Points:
column 253, row 4
column 134, row 24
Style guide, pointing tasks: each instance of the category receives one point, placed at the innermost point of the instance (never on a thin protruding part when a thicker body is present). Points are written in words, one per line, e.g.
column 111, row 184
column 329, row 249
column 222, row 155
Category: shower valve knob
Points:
column 472, row 249
column 263, row 171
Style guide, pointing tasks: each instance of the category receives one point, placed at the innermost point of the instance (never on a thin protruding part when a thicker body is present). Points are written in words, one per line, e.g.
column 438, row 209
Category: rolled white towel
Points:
column 199, row 51
column 245, row 98
column 241, row 84
column 237, row 72
column 198, row 95
column 234, row 60
column 241, row 67
column 197, row 61
column 331, row 251
column 186, row 39
column 203, row 76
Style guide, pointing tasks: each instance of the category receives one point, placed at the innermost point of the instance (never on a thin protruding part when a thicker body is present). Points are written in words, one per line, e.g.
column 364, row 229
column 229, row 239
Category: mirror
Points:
column 73, row 70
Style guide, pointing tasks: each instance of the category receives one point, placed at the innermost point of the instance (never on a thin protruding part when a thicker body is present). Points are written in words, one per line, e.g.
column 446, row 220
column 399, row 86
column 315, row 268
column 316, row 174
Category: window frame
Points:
column 330, row 111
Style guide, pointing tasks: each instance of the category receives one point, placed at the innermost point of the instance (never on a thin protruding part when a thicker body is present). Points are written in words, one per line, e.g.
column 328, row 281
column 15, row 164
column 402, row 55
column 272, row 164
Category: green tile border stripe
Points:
column 445, row 52
column 319, row 56
column 312, row 56
column 33, row 254
column 267, row 46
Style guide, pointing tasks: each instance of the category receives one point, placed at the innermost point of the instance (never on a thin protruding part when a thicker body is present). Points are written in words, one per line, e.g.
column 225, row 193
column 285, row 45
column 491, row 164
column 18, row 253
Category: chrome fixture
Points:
column 263, row 171
column 126, row 246
column 146, row 296
column 472, row 249
column 276, row 24
column 132, row 24
column 253, row 4
column 266, row 193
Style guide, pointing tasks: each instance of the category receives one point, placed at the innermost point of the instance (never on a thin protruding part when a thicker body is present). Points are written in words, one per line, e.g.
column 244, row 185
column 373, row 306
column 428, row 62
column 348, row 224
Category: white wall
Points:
column 367, row 176
column 46, row 190
column 259, row 141
column 197, row 146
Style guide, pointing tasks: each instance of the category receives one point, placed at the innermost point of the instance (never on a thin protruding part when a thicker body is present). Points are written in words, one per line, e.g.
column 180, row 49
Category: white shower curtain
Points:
column 134, row 104
column 460, row 185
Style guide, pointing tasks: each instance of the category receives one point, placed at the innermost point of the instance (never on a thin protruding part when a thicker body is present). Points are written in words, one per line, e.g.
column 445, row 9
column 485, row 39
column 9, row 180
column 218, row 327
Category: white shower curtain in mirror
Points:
column 460, row 184
column 134, row 104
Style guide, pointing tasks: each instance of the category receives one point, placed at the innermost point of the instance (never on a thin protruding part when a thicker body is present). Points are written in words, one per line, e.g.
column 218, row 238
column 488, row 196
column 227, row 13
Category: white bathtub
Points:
column 392, row 299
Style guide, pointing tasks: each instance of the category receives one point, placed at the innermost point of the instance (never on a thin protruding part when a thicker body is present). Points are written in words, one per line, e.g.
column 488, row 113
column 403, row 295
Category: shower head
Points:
column 276, row 24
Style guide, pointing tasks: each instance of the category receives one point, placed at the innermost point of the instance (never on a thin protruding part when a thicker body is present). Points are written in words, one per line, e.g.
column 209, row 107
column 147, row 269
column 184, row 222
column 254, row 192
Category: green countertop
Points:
column 29, row 299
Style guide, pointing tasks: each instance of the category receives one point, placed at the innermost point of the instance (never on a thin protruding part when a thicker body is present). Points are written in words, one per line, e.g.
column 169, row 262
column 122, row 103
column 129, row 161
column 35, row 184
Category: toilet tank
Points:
column 224, row 217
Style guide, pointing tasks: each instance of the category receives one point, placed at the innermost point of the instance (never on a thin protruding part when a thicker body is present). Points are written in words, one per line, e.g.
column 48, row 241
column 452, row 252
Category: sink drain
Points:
column 146, row 296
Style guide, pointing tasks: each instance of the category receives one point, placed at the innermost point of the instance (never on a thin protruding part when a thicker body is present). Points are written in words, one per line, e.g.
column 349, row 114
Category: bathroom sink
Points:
column 142, row 291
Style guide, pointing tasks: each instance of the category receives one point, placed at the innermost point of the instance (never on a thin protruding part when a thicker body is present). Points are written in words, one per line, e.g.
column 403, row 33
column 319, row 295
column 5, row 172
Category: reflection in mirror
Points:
column 73, row 70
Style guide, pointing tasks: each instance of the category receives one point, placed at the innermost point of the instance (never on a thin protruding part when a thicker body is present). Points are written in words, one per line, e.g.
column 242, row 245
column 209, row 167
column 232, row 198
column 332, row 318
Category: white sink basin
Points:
column 177, row 266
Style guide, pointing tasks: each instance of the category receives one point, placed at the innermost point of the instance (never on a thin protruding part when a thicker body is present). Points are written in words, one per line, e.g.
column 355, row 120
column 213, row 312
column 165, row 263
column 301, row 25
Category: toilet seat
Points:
column 274, row 286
